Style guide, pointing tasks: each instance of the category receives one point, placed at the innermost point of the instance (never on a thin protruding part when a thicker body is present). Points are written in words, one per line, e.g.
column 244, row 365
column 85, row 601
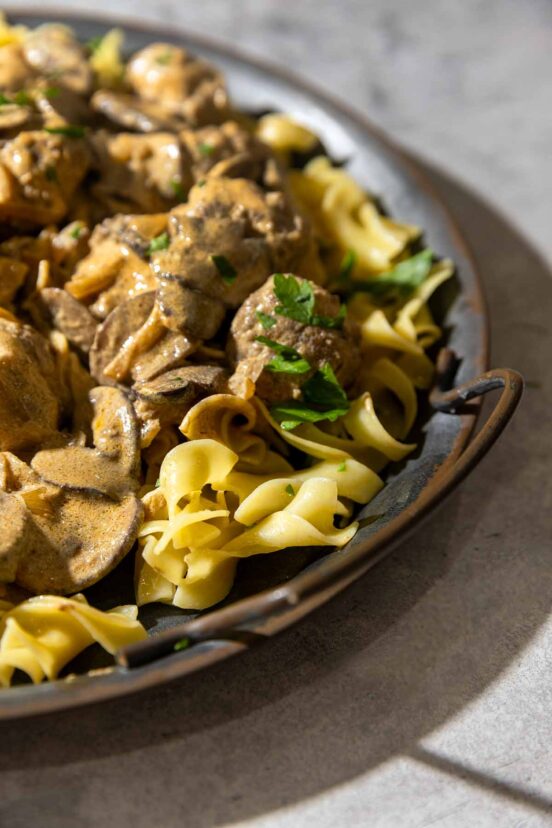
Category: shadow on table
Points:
column 365, row 677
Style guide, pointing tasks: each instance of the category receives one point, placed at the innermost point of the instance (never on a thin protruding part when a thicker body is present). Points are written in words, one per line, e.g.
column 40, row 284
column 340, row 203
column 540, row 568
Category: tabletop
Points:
column 420, row 696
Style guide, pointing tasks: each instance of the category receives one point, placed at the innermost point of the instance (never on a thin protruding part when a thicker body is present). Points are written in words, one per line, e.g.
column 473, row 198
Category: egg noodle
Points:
column 236, row 479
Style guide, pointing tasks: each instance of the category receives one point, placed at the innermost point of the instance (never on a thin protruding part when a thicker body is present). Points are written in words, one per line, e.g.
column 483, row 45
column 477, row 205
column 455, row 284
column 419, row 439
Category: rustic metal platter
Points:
column 274, row 591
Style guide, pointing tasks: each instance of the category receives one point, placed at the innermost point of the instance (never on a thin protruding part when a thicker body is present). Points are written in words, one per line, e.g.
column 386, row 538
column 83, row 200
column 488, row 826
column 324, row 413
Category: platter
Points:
column 275, row 591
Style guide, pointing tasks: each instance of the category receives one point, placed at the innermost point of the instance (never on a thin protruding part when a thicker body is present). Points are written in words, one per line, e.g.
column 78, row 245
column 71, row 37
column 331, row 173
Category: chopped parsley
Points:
column 71, row 131
column 165, row 57
column 342, row 467
column 399, row 282
column 4, row 99
column 225, row 268
column 183, row 644
column 323, row 399
column 75, row 233
column 290, row 490
column 296, row 301
column 51, row 173
column 52, row 92
column 21, row 98
column 160, row 242
column 287, row 359
column 347, row 266
column 265, row 319
column 201, row 183
column 178, row 189
column 205, row 149
column 93, row 44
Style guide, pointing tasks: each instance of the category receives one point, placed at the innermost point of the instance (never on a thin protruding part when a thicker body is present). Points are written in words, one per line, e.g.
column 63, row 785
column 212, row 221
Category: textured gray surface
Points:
column 420, row 696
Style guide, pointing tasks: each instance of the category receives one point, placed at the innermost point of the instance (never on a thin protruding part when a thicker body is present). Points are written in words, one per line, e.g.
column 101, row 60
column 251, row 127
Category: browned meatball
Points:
column 29, row 388
column 179, row 82
column 318, row 345
column 228, row 238
column 229, row 151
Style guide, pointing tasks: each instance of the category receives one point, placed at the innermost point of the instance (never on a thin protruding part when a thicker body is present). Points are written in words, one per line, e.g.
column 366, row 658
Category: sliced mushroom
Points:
column 115, row 429
column 70, row 317
column 170, row 396
column 132, row 113
column 13, row 116
column 57, row 103
column 14, row 537
column 119, row 326
column 77, row 546
column 53, row 50
column 171, row 351
column 112, row 467
column 187, row 310
column 82, row 469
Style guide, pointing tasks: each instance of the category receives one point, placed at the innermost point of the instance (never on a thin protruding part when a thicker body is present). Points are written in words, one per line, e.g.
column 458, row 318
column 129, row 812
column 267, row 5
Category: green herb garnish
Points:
column 160, row 242
column 93, row 44
column 297, row 302
column 183, row 644
column 265, row 319
column 287, row 359
column 178, row 189
column 75, row 233
column 342, row 467
column 21, row 98
column 165, row 57
column 225, row 268
column 51, row 173
column 4, row 99
column 402, row 280
column 206, row 149
column 52, row 92
column 324, row 389
column 323, row 399
column 347, row 266
column 201, row 183
column 290, row 490
column 70, row 131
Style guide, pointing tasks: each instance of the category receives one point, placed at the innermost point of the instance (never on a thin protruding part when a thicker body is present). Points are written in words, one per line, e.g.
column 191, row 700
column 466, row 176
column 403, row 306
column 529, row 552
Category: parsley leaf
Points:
column 160, row 242
column 70, row 131
column 321, row 390
column 206, row 149
column 178, row 189
column 93, row 43
column 342, row 467
column 165, row 57
column 297, row 302
column 293, row 413
column 265, row 319
column 347, row 266
column 225, row 268
column 76, row 231
column 51, row 173
column 4, row 99
column 21, row 98
column 296, row 298
column 52, row 92
column 290, row 490
column 183, row 644
column 287, row 361
column 402, row 280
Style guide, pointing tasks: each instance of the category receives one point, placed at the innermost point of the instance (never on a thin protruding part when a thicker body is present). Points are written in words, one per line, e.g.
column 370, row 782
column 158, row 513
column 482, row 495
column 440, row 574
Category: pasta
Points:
column 41, row 635
column 219, row 336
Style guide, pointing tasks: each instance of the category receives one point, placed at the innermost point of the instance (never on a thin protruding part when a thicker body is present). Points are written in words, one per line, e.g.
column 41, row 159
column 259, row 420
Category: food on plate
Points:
column 212, row 339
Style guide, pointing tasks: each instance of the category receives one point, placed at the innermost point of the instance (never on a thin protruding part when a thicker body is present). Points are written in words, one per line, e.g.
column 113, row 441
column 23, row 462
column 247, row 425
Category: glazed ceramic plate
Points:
column 276, row 590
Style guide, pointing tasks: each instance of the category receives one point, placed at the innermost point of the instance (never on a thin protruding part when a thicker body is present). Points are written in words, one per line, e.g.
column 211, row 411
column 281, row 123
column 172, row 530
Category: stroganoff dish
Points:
column 212, row 340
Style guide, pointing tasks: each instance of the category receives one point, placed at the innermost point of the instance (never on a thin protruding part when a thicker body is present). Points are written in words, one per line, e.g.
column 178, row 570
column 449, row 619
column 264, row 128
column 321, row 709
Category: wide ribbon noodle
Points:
column 42, row 634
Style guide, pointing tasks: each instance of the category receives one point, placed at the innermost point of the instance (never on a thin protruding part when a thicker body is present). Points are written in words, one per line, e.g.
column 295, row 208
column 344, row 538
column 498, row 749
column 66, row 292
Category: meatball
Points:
column 30, row 391
column 318, row 345
column 229, row 151
column 228, row 238
column 179, row 82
